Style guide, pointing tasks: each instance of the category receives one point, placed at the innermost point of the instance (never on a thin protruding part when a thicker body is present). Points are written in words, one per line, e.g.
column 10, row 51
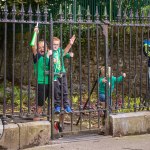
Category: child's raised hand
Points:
column 72, row 39
column 104, row 80
column 36, row 29
column 71, row 54
column 124, row 75
column 49, row 53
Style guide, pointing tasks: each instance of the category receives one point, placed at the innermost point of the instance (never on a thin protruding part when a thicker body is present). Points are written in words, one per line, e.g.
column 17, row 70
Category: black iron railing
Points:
column 99, row 42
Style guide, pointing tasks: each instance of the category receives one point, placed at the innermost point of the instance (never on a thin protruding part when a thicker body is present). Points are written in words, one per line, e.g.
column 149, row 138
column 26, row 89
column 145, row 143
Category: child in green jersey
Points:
column 60, row 79
column 112, row 81
column 146, row 50
column 41, row 64
column 60, row 74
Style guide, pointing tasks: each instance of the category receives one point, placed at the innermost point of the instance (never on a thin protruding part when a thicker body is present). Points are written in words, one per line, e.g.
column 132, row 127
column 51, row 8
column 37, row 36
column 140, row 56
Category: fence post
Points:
column 110, row 13
column 74, row 10
column 4, row 118
column 52, row 81
column 105, row 32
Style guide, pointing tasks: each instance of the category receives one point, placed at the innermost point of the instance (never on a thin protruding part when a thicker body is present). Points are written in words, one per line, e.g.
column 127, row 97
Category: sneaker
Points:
column 57, row 109
column 68, row 109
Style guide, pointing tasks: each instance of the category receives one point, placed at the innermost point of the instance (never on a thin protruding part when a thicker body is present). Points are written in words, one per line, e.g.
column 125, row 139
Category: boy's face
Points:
column 56, row 45
column 103, row 70
column 41, row 48
column 108, row 73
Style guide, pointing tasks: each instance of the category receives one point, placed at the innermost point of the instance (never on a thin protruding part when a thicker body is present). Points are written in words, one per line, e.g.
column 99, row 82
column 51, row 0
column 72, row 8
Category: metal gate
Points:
column 117, row 44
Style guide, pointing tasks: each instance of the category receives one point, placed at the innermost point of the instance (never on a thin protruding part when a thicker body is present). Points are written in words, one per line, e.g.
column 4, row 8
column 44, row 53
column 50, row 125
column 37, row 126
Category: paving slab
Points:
column 99, row 142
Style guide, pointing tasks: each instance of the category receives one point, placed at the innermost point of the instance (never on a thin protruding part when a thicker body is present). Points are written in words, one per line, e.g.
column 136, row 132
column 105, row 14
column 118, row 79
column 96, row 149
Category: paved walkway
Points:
column 99, row 142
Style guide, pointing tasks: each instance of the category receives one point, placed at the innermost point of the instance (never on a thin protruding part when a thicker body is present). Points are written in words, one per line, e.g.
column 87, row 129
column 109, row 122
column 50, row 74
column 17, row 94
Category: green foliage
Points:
column 129, row 104
column 128, row 101
column 75, row 99
column 145, row 9
column 26, row 4
column 17, row 95
column 52, row 5
column 84, row 97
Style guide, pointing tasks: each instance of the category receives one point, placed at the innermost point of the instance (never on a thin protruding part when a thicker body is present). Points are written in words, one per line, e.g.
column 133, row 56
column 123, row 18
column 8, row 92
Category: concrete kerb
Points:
column 34, row 133
column 24, row 135
column 130, row 123
column 10, row 138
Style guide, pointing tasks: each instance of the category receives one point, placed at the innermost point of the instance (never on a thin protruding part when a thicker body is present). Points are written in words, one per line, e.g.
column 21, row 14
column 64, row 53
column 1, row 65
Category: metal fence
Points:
column 111, row 5
column 118, row 45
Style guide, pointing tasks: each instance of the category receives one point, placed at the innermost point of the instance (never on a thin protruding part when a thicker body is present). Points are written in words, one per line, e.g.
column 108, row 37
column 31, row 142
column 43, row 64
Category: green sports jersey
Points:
column 40, row 67
column 59, row 66
column 113, row 80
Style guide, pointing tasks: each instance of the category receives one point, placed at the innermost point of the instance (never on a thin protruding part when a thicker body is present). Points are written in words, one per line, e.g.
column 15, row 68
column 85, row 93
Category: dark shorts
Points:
column 43, row 93
column 103, row 99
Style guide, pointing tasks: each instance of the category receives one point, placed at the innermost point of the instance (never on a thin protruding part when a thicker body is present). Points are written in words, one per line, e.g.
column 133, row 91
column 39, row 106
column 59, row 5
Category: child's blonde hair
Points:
column 101, row 68
column 56, row 39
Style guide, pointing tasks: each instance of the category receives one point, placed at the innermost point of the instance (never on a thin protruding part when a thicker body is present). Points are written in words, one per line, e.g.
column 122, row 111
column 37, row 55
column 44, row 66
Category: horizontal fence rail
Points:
column 103, row 48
